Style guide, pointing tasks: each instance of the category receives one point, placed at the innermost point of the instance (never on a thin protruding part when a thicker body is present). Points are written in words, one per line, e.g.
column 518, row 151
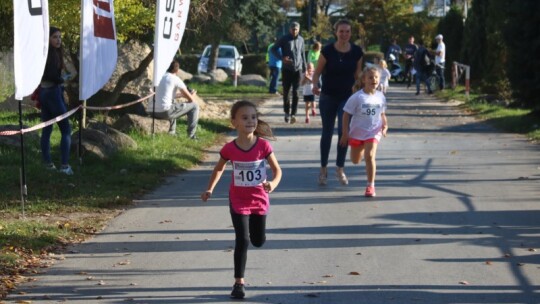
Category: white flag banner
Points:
column 98, row 46
column 171, row 18
column 31, row 44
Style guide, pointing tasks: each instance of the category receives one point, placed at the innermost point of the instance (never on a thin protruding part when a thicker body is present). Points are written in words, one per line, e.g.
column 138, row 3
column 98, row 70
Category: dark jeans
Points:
column 422, row 76
column 331, row 107
column 52, row 105
column 408, row 70
column 246, row 228
column 440, row 72
column 274, row 74
column 290, row 79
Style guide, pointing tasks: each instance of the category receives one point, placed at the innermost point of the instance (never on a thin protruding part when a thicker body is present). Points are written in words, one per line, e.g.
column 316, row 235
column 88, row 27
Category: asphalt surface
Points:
column 456, row 220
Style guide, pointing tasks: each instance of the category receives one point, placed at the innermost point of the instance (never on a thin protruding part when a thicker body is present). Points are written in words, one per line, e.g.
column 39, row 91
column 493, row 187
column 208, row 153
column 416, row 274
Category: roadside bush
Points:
column 255, row 64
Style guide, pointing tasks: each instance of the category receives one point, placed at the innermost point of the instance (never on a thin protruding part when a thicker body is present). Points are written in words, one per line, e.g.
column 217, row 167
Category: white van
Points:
column 228, row 55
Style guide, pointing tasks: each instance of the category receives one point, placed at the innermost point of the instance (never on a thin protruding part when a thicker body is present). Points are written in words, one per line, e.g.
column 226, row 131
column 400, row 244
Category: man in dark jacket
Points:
column 294, row 65
column 422, row 65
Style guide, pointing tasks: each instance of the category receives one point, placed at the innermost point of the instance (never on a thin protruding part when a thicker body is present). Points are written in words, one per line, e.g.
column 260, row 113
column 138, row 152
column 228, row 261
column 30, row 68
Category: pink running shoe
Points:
column 307, row 120
column 313, row 113
column 370, row 191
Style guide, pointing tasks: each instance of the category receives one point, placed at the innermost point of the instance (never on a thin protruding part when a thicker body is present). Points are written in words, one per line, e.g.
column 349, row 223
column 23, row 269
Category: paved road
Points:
column 456, row 220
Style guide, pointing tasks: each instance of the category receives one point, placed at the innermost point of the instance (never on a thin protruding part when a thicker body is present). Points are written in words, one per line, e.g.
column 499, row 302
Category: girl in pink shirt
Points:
column 248, row 193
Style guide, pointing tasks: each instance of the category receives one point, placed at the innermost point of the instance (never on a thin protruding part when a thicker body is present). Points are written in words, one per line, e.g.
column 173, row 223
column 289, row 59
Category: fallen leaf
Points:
column 520, row 264
column 328, row 276
column 507, row 255
column 464, row 283
column 488, row 263
column 354, row 273
column 101, row 283
column 532, row 249
column 312, row 295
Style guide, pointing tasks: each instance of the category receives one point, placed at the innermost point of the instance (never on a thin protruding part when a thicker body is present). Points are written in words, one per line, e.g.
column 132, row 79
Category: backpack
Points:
column 426, row 63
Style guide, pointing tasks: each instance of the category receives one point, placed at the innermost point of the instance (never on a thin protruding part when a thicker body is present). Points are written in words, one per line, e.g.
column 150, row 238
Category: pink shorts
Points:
column 358, row 143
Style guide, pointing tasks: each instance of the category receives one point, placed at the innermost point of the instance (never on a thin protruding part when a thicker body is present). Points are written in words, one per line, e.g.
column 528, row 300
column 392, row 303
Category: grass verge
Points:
column 514, row 120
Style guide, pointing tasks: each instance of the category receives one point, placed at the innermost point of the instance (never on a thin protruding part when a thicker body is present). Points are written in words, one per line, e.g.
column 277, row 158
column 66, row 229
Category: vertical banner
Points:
column 98, row 46
column 31, row 44
column 171, row 18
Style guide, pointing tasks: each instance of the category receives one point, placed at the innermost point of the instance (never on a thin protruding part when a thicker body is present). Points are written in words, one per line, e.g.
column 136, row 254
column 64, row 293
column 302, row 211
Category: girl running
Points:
column 248, row 192
column 363, row 132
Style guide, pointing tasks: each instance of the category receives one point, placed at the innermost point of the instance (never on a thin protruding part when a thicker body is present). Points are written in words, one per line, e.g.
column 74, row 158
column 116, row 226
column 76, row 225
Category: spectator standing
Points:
column 314, row 53
column 166, row 108
column 410, row 50
column 294, row 65
column 51, row 97
column 393, row 49
column 422, row 61
column 274, row 64
column 339, row 64
column 440, row 54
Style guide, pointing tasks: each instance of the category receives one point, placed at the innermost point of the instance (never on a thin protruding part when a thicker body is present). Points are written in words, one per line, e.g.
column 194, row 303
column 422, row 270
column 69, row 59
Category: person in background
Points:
column 409, row 51
column 307, row 88
column 314, row 53
column 440, row 54
column 166, row 108
column 51, row 97
column 339, row 64
column 364, row 123
column 384, row 76
column 274, row 64
column 294, row 65
column 422, row 59
column 395, row 50
column 249, row 201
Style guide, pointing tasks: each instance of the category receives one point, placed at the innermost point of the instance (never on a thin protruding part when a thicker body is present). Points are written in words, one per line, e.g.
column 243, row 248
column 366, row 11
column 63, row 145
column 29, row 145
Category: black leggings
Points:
column 246, row 228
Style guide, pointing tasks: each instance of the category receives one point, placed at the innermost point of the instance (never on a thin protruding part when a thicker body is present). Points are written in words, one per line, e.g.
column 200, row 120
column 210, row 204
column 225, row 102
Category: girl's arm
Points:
column 385, row 124
column 214, row 179
column 276, row 174
column 318, row 71
column 345, row 129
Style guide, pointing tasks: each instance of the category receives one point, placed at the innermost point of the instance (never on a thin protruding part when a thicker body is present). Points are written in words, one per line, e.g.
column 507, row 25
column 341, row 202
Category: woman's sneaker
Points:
column 238, row 291
column 66, row 170
column 370, row 191
column 342, row 177
column 50, row 166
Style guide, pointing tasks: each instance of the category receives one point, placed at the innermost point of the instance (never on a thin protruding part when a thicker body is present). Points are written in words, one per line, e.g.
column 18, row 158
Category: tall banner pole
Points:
column 30, row 48
column 99, row 51
column 171, row 18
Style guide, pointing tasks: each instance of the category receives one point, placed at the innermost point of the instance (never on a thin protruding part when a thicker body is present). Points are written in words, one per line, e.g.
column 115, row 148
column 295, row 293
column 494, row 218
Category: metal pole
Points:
column 79, row 146
column 153, row 111
column 235, row 72
column 24, row 190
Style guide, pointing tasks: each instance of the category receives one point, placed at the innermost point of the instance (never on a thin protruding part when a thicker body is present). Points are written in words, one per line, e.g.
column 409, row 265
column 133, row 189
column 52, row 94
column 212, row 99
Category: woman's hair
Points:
column 57, row 52
column 263, row 129
column 342, row 22
column 383, row 64
column 359, row 84
column 174, row 67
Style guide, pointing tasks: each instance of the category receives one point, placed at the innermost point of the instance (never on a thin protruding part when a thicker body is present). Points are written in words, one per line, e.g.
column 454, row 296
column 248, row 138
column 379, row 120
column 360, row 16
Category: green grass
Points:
column 522, row 121
column 228, row 91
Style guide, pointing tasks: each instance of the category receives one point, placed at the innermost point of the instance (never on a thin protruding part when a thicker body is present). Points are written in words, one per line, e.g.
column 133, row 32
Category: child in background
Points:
column 385, row 76
column 364, row 123
column 307, row 84
column 248, row 192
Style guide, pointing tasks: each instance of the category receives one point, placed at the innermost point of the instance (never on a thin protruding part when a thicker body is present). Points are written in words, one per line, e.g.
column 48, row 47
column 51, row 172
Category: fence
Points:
column 458, row 70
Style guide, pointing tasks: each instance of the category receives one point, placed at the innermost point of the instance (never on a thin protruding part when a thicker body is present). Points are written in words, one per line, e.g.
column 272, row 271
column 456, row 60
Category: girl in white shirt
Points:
column 364, row 123
column 385, row 76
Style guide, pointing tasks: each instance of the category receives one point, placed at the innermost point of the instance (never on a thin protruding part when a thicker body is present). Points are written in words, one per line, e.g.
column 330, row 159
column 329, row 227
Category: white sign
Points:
column 31, row 44
column 171, row 18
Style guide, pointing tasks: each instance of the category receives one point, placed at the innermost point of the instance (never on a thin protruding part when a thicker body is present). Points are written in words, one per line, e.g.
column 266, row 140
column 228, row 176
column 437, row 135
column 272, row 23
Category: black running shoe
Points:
column 238, row 291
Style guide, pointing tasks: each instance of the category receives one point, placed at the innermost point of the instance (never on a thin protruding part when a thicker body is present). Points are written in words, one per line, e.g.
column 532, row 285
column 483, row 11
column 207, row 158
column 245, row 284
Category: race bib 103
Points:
column 249, row 174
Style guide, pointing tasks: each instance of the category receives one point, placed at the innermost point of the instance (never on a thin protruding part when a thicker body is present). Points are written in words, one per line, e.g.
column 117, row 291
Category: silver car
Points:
column 228, row 56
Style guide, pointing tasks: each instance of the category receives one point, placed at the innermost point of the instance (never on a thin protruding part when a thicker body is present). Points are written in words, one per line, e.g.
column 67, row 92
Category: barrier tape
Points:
column 119, row 106
column 67, row 114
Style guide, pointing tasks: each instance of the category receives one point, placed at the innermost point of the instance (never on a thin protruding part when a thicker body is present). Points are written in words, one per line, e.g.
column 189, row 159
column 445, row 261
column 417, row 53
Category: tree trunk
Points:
column 212, row 59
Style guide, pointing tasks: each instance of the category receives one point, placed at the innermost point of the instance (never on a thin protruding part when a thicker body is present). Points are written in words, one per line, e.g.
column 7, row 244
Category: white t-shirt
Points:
column 166, row 92
column 385, row 76
column 307, row 88
column 366, row 110
column 439, row 59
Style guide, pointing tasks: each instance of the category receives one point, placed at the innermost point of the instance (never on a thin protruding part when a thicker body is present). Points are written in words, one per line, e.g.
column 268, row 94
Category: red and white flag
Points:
column 31, row 44
column 98, row 46
column 171, row 18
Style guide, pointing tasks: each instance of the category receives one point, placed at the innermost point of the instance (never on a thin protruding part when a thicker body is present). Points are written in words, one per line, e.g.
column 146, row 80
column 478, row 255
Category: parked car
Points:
column 227, row 55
